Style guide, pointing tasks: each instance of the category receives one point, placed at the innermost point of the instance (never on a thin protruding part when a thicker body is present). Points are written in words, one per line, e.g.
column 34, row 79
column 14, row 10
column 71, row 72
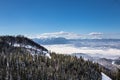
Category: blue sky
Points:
column 41, row 16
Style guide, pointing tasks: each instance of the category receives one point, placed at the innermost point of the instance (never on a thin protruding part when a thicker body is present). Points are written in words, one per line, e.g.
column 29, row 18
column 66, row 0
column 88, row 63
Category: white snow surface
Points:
column 113, row 62
column 105, row 77
column 48, row 55
column 16, row 45
column 34, row 48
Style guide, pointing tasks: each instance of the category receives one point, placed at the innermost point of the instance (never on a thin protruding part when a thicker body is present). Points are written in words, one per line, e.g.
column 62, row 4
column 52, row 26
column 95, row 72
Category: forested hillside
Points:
column 17, row 66
column 13, row 43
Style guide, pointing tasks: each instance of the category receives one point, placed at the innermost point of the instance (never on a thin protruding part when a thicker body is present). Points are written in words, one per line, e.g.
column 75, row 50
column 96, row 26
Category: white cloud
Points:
column 95, row 33
column 71, row 35
column 66, row 35
column 69, row 48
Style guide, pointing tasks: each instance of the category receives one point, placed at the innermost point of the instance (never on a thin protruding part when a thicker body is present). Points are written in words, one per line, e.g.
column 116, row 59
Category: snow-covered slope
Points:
column 105, row 77
column 25, row 44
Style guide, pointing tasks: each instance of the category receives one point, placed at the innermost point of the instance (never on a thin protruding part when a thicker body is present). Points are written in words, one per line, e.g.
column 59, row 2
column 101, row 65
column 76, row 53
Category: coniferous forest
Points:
column 17, row 66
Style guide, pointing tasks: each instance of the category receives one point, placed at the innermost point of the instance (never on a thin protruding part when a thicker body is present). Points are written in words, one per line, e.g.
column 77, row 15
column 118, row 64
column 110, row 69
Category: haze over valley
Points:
column 68, row 43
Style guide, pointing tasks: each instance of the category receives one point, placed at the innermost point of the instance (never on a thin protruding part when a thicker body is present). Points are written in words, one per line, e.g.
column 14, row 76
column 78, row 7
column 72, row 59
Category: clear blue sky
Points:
column 41, row 16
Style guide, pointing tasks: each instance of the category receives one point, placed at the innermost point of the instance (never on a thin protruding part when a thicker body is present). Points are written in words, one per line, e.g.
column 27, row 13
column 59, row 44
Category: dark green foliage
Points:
column 20, row 66
column 11, row 40
column 114, row 75
column 118, row 75
column 117, row 62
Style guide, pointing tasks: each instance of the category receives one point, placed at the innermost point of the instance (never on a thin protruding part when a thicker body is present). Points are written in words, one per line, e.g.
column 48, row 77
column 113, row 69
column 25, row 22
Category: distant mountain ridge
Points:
column 59, row 40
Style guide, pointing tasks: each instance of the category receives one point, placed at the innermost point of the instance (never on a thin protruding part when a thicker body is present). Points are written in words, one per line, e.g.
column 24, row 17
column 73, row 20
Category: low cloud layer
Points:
column 91, row 43
column 68, row 49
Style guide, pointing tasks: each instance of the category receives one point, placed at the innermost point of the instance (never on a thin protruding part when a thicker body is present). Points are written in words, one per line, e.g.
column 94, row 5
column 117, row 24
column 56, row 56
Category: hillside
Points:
column 10, row 44
column 108, row 66
column 17, row 66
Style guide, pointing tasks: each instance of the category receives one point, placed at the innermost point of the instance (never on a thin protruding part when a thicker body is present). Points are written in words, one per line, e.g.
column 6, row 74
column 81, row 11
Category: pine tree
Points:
column 118, row 74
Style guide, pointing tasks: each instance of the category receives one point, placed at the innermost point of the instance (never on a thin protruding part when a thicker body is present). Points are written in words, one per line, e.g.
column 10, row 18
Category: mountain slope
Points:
column 105, row 77
column 18, row 66
column 11, row 43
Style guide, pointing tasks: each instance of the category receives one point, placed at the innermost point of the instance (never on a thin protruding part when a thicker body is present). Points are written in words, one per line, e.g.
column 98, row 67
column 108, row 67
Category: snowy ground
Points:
column 34, row 48
column 105, row 77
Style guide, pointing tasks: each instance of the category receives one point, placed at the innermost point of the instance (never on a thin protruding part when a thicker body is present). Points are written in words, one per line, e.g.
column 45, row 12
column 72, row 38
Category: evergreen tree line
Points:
column 21, row 40
column 114, row 75
column 24, row 66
